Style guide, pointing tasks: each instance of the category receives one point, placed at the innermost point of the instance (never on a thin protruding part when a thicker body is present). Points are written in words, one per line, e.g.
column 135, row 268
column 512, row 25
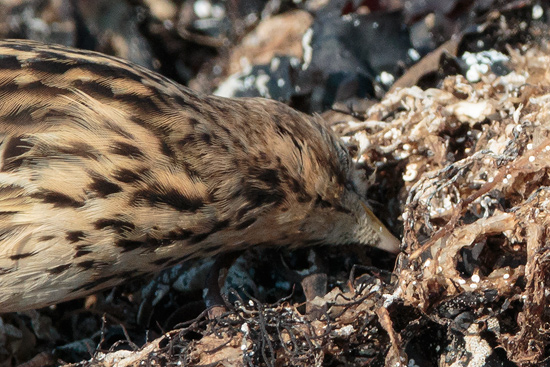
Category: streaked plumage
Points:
column 109, row 171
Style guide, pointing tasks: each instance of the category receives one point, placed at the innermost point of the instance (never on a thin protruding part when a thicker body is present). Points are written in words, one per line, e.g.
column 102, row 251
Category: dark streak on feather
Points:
column 42, row 89
column 169, row 197
column 103, row 187
column 74, row 236
column 166, row 149
column 146, row 105
column 22, row 256
column 108, row 71
column 128, row 176
column 259, row 197
column 189, row 138
column 187, row 105
column 206, row 138
column 20, row 116
column 86, row 264
column 50, row 66
column 94, row 89
column 79, row 149
column 8, row 62
column 128, row 245
column 58, row 269
column 15, row 147
column 58, row 199
column 82, row 250
column 20, row 46
column 125, row 149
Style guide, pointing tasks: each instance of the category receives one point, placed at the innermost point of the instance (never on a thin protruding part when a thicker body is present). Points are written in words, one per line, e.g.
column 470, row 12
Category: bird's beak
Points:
column 386, row 240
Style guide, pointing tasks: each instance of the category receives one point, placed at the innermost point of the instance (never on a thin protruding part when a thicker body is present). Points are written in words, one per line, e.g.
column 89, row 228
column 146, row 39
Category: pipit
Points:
column 109, row 171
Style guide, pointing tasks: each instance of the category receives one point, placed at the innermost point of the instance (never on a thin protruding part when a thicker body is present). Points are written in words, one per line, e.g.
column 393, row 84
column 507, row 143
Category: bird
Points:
column 109, row 171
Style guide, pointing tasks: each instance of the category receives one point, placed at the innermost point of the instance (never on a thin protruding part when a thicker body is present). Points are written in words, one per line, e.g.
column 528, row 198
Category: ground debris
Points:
column 476, row 212
column 279, row 334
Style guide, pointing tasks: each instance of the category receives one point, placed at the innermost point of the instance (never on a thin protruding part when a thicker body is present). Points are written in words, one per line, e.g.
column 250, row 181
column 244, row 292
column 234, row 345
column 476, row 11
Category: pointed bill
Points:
column 387, row 241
